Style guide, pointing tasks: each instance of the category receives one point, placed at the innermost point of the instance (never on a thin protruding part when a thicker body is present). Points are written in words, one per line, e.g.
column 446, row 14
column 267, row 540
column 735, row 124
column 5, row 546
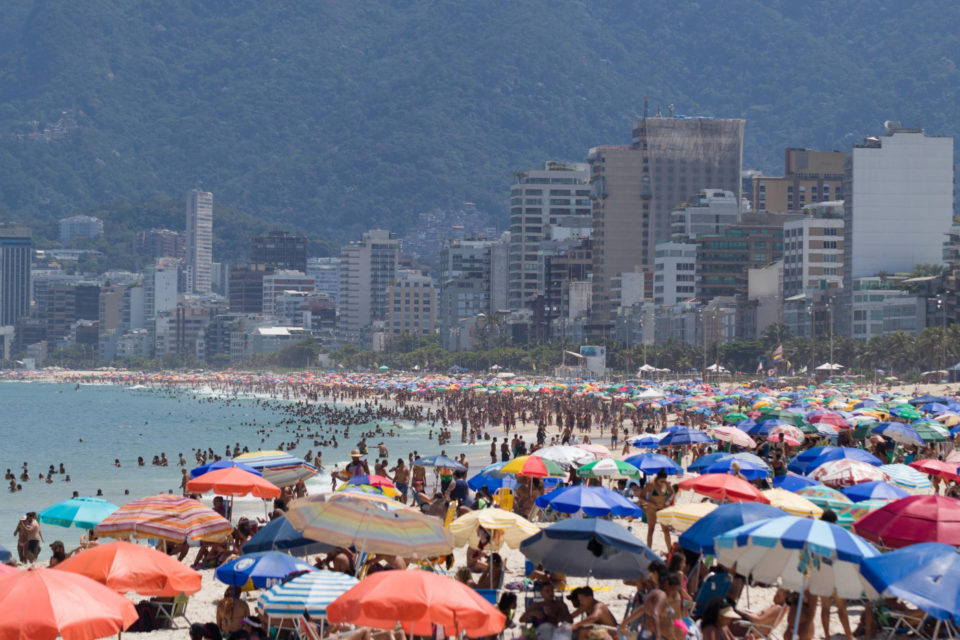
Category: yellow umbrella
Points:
column 792, row 503
column 681, row 517
column 948, row 419
column 506, row 528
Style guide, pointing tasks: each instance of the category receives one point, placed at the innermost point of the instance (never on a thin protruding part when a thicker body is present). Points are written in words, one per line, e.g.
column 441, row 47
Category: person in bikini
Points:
column 656, row 496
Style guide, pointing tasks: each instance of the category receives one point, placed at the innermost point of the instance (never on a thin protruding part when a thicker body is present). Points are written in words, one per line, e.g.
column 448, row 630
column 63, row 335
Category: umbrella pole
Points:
column 796, row 619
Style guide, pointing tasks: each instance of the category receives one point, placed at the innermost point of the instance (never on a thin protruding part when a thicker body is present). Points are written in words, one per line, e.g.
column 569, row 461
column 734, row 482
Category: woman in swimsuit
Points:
column 657, row 496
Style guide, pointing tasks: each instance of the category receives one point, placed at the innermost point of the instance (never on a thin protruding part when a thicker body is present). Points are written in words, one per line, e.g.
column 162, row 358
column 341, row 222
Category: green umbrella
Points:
column 783, row 414
column 929, row 433
column 734, row 417
column 609, row 468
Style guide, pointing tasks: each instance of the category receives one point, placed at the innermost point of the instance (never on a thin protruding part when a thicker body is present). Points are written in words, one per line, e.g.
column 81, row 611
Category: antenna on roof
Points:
column 646, row 102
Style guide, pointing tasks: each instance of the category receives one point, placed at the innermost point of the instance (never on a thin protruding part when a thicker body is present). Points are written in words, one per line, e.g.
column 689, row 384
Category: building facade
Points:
column 16, row 248
column 281, row 250
column 412, row 303
column 813, row 249
column 712, row 211
column 367, row 269
column 199, row 262
column 809, row 177
column 674, row 273
column 80, row 228
column 279, row 282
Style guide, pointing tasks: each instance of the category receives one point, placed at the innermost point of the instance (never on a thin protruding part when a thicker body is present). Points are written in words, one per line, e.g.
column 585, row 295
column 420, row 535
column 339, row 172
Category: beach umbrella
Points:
column 927, row 399
column 699, row 537
column 792, row 482
column 797, row 553
column 825, row 497
column 926, row 575
column 491, row 479
column 533, row 467
column 681, row 517
column 734, row 417
column 566, row 456
column 311, row 592
column 750, row 470
column 846, row 472
column 6, row 568
column 165, row 517
column 898, row 432
column 280, row 535
column 652, row 463
column 371, row 481
column 701, row 463
column 279, row 467
column 723, row 487
column 233, row 482
column 589, row 547
column 440, row 461
column 913, row 520
column 263, row 569
column 592, row 501
column 82, row 512
column 369, row 524
column 222, row 464
column 792, row 504
column 646, row 440
column 789, row 432
column 812, row 458
column 906, row 477
column 5, row 555
column 682, row 437
column 597, row 450
column 732, row 435
column 126, row 567
column 505, row 527
column 44, row 604
column 878, row 490
column 939, row 468
column 609, row 468
column 420, row 601
column 827, row 417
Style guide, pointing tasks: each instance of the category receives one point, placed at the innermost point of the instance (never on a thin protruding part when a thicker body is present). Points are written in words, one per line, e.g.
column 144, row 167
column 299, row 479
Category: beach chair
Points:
column 307, row 630
column 504, row 499
column 715, row 585
column 746, row 627
column 168, row 610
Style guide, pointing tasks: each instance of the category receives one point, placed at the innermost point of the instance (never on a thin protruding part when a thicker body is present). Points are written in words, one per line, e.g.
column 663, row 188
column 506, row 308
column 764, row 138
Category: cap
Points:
column 728, row 612
column 355, row 453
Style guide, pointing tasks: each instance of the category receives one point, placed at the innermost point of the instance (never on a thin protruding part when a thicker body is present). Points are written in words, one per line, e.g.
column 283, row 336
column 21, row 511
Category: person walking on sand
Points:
column 29, row 537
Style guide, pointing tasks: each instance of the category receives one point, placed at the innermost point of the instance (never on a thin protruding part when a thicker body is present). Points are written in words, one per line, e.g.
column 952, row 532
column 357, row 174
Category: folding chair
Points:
column 761, row 630
column 307, row 630
column 169, row 610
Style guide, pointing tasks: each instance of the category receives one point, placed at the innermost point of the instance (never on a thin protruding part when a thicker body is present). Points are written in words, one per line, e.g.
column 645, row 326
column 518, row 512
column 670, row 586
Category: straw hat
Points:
column 355, row 453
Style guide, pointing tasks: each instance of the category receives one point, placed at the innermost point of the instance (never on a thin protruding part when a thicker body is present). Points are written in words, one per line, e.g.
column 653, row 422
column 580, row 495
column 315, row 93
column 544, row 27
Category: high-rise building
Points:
column 412, row 305
column 159, row 289
column 246, row 288
column 280, row 282
column 635, row 188
column 674, row 273
column 16, row 246
column 809, row 177
column 281, row 250
column 813, row 249
column 711, row 211
column 326, row 274
column 367, row 269
column 159, row 243
column 80, row 228
column 199, row 241
column 540, row 198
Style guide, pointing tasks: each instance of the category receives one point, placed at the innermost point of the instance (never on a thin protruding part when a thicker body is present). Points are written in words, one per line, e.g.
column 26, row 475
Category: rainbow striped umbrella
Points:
column 534, row 467
column 279, row 467
column 166, row 517
column 369, row 523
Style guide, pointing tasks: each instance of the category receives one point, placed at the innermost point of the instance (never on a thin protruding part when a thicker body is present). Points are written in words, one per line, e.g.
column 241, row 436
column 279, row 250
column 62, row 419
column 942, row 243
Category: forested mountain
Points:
column 336, row 115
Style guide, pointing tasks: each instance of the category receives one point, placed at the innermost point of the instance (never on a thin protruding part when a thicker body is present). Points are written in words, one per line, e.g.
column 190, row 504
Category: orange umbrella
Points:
column 41, row 604
column 125, row 567
column 234, row 482
column 417, row 599
column 724, row 487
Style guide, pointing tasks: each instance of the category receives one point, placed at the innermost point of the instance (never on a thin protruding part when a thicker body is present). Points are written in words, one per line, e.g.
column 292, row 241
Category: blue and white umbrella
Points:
column 312, row 592
column 799, row 553
column 262, row 569
column 750, row 470
column 684, row 437
column 652, row 463
column 646, row 440
column 906, row 477
column 591, row 501
column 899, row 432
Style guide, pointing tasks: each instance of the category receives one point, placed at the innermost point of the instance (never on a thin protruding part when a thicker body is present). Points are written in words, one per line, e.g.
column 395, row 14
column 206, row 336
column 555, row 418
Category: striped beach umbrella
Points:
column 845, row 472
column 311, row 592
column 506, row 528
column 825, row 497
column 279, row 467
column 165, row 517
column 370, row 524
column 533, row 467
column 906, row 477
column 609, row 468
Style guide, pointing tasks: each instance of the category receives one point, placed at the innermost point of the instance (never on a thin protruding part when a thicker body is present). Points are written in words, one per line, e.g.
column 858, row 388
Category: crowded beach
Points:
column 635, row 509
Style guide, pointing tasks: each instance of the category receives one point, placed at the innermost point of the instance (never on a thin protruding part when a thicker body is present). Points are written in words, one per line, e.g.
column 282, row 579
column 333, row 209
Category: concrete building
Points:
column 280, row 282
column 674, row 273
column 813, row 249
column 809, row 177
column 16, row 246
column 367, row 269
column 246, row 288
column 879, row 309
column 568, row 292
column 540, row 198
column 199, row 256
column 281, row 250
column 80, row 228
column 326, row 274
column 765, row 291
column 160, row 243
column 635, row 188
column 412, row 305
column 159, row 289
column 712, row 211
column 473, row 280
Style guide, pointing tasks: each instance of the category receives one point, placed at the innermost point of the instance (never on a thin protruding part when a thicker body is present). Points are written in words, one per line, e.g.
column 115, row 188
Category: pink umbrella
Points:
column 786, row 439
column 733, row 435
column 789, row 431
column 596, row 449
column 846, row 472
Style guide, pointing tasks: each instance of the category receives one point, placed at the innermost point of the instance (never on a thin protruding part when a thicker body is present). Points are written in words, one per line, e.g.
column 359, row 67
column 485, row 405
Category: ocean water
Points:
column 87, row 428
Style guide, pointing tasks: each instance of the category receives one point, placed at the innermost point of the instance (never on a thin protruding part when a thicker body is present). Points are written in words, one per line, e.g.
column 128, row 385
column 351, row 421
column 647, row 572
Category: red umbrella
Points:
column 911, row 520
column 41, row 604
column 417, row 600
column 833, row 419
column 234, row 482
column 125, row 567
column 945, row 470
column 724, row 487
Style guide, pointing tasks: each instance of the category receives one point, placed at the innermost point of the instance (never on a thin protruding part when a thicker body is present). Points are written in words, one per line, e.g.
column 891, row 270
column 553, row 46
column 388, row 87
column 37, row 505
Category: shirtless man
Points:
column 596, row 613
column 401, row 476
